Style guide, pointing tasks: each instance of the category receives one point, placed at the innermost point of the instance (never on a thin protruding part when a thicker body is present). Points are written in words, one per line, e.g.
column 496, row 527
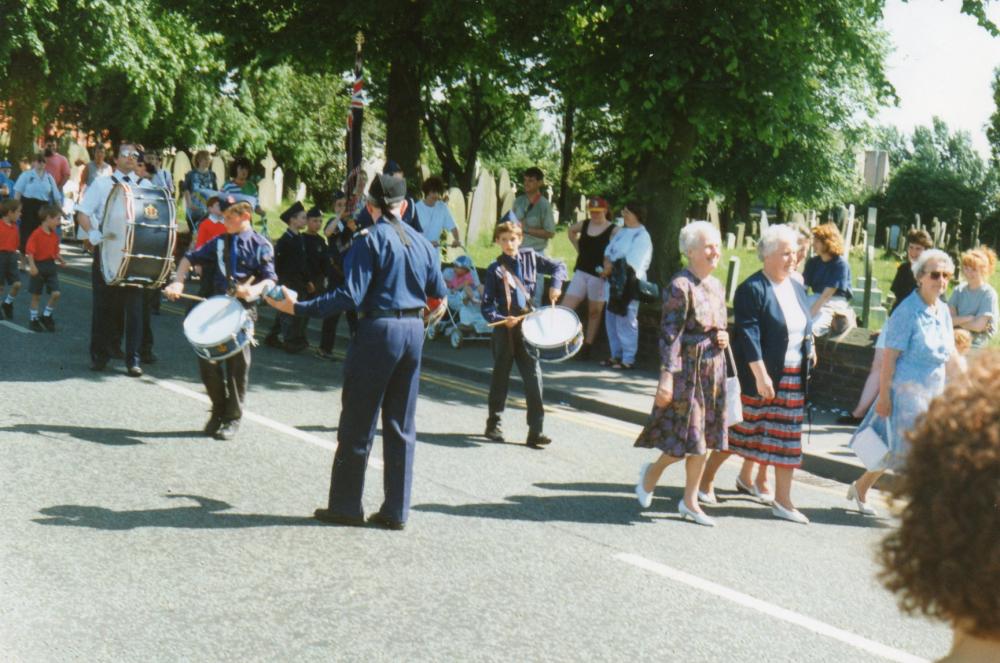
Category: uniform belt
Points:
column 392, row 313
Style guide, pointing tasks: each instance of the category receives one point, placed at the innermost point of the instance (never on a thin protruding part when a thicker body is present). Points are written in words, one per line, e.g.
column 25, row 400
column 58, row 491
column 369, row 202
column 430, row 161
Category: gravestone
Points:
column 300, row 192
column 265, row 188
column 279, row 186
column 901, row 243
column 712, row 210
column 503, row 186
column 507, row 203
column 944, row 235
column 867, row 302
column 732, row 278
column 885, row 241
column 425, row 173
column 870, row 230
column 219, row 168
column 894, row 233
column 483, row 215
column 916, row 222
column 848, row 230
column 798, row 218
column 935, row 230
column 182, row 165
column 975, row 233
column 730, row 241
column 548, row 191
column 763, row 223
column 813, row 218
column 858, row 232
column 741, row 229
column 456, row 205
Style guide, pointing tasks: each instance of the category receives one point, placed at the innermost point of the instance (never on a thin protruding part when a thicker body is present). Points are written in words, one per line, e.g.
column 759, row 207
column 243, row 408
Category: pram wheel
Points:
column 456, row 338
column 431, row 332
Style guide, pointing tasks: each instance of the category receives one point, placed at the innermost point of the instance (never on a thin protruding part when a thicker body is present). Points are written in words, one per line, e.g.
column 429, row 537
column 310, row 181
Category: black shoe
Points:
column 329, row 517
column 584, row 353
column 97, row 365
column 295, row 347
column 538, row 441
column 228, row 430
column 848, row 420
column 379, row 519
column 493, row 430
column 8, row 310
column 214, row 424
column 116, row 353
column 48, row 323
column 36, row 325
column 148, row 357
column 325, row 354
column 272, row 341
column 134, row 372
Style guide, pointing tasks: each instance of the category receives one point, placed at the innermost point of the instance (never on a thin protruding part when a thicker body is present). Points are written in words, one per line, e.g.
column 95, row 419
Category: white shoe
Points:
column 765, row 498
column 852, row 494
column 793, row 515
column 743, row 488
column 696, row 516
column 645, row 499
column 707, row 498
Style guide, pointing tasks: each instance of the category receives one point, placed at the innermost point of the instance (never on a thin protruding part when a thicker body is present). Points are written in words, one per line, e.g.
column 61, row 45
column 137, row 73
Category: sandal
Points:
column 610, row 362
column 622, row 366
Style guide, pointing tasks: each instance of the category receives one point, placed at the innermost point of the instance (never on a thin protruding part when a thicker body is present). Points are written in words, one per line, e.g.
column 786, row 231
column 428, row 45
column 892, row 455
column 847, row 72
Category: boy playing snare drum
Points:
column 509, row 290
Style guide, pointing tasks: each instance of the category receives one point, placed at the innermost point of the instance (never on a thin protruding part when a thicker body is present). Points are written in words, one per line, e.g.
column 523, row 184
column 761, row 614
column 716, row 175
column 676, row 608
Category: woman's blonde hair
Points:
column 981, row 259
column 829, row 235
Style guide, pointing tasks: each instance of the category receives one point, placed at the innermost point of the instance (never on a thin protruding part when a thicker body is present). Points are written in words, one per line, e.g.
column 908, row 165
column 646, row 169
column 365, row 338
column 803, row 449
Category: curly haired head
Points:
column 830, row 237
column 981, row 259
column 944, row 560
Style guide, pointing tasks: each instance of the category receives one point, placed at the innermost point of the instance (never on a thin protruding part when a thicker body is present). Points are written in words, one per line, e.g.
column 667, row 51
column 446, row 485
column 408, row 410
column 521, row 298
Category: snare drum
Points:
column 218, row 328
column 553, row 333
column 140, row 232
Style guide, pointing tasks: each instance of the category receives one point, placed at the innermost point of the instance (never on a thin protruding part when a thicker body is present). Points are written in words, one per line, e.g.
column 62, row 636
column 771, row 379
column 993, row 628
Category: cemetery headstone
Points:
column 848, row 231
column 482, row 216
column 730, row 241
column 916, row 221
column 219, row 168
column 581, row 210
column 763, row 222
column 732, row 278
column 869, row 265
column 503, row 186
column 279, row 186
column 894, row 233
column 712, row 210
column 798, row 218
column 300, row 192
column 181, row 167
column 741, row 229
column 507, row 202
column 265, row 188
column 870, row 230
column 456, row 205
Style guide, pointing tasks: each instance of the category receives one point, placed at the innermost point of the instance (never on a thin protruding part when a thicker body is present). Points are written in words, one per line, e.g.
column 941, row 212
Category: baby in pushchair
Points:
column 464, row 321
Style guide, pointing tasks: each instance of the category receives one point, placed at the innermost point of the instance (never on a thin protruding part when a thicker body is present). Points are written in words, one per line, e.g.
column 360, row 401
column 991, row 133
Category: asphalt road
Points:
column 126, row 536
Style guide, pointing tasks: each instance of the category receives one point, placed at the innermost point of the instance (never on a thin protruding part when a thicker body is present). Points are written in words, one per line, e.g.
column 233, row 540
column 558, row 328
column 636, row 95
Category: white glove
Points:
column 95, row 236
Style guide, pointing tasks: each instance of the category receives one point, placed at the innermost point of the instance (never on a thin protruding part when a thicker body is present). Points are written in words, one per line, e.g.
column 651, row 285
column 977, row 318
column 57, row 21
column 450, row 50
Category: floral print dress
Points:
column 694, row 420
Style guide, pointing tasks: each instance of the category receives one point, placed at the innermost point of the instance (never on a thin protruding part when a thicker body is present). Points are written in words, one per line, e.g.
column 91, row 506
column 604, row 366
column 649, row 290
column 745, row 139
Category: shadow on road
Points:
column 601, row 509
column 115, row 437
column 203, row 516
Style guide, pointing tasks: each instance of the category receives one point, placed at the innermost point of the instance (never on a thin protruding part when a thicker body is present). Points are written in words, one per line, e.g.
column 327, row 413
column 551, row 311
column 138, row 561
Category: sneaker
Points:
column 537, row 440
column 8, row 310
column 228, row 430
column 48, row 323
column 493, row 432
column 36, row 325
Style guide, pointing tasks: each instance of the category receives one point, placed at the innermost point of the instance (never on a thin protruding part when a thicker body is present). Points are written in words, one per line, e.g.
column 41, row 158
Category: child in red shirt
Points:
column 9, row 241
column 42, row 254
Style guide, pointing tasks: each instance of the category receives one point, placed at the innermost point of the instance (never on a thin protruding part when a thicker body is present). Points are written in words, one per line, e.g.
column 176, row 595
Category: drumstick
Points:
column 500, row 322
column 194, row 297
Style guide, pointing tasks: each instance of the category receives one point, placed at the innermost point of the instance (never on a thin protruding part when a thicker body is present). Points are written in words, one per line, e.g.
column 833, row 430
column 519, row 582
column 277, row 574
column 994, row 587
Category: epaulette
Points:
column 361, row 233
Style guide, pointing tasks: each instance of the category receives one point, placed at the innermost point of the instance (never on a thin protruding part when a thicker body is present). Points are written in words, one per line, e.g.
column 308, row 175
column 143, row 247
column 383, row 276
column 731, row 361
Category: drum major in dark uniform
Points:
column 390, row 271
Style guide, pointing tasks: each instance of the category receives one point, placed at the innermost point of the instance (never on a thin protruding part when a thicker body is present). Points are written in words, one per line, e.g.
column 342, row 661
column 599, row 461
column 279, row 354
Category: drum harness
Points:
column 507, row 279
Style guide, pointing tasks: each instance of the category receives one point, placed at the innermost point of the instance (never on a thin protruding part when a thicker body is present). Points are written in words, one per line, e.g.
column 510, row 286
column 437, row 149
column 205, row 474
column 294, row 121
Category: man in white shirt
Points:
column 111, row 304
column 435, row 217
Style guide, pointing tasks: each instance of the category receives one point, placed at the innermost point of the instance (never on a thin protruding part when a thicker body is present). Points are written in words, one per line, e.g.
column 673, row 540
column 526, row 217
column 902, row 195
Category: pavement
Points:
column 126, row 535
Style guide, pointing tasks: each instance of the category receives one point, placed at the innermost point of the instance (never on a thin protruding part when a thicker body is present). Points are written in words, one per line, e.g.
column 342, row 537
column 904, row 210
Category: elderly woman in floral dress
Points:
column 688, row 415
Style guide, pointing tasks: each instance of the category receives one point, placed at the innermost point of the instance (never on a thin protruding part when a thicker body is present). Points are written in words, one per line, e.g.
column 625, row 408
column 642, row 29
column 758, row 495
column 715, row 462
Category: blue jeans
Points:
column 623, row 333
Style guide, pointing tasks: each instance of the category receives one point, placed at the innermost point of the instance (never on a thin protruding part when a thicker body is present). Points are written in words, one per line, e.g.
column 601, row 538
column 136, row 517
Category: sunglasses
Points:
column 940, row 275
column 133, row 155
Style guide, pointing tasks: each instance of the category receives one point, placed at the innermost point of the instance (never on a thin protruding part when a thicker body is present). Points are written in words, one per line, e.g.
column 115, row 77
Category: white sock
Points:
column 48, row 312
column 9, row 300
column 34, row 314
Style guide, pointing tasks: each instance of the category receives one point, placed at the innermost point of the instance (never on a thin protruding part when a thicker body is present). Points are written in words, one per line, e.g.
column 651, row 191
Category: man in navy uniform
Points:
column 239, row 255
column 390, row 271
column 409, row 209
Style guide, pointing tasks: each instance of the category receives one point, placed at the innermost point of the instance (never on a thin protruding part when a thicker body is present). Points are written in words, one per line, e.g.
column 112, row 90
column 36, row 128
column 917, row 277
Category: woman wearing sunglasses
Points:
column 919, row 344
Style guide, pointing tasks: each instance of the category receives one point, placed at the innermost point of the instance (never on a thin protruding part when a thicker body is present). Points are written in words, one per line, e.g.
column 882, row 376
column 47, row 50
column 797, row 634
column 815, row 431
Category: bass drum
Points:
column 140, row 233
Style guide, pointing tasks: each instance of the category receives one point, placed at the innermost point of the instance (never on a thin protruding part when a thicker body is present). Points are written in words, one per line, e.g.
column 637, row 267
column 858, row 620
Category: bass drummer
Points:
column 112, row 305
column 509, row 290
column 244, row 262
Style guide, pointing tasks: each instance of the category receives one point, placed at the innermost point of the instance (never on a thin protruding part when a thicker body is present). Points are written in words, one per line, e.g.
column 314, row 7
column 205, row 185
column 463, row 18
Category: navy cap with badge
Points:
column 294, row 210
column 314, row 213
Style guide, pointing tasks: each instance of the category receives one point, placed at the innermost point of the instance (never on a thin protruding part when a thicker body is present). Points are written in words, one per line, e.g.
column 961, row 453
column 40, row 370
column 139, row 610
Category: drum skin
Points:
column 143, row 224
column 218, row 328
column 552, row 334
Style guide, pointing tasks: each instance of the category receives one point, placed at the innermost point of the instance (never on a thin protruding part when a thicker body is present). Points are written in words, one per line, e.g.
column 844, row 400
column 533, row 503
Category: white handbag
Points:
column 869, row 446
column 734, row 405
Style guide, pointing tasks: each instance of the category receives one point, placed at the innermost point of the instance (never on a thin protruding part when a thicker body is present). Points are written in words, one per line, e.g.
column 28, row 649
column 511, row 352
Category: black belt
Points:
column 391, row 313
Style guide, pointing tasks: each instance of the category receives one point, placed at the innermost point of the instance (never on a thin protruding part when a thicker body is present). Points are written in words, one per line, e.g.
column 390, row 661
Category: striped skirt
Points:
column 771, row 432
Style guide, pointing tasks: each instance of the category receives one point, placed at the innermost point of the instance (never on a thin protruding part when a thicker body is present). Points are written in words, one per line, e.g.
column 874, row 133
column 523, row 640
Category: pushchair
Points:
column 463, row 320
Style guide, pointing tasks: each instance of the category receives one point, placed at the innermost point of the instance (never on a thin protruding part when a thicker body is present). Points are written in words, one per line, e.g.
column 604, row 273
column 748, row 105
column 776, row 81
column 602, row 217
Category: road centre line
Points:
column 11, row 325
column 790, row 616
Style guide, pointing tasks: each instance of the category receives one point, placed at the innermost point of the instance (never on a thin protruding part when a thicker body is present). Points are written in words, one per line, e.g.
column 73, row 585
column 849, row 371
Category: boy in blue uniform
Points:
column 390, row 271
column 239, row 255
column 290, row 263
column 509, row 291
column 6, row 184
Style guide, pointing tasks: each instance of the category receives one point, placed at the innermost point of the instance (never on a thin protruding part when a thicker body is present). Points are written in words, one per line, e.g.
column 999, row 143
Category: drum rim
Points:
column 244, row 319
column 562, row 310
column 121, row 275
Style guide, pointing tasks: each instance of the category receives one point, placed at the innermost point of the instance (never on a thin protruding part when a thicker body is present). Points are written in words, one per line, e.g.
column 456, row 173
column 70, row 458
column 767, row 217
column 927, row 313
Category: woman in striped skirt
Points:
column 773, row 349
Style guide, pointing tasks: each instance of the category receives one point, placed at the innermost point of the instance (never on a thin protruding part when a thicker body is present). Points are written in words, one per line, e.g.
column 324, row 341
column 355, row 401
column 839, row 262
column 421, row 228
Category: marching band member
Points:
column 390, row 271
column 244, row 263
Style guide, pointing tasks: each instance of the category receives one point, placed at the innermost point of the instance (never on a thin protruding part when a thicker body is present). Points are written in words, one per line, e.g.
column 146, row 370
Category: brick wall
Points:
column 843, row 367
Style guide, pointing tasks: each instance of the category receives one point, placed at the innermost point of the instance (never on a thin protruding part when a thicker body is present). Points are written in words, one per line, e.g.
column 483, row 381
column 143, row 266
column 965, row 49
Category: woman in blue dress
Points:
column 919, row 345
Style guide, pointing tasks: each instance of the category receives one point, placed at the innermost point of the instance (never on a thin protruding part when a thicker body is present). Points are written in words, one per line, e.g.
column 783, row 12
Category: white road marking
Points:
column 262, row 420
column 814, row 625
column 16, row 328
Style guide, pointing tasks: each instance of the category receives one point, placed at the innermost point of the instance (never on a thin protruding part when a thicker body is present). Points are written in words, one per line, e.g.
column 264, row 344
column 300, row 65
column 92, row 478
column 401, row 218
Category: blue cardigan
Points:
column 761, row 331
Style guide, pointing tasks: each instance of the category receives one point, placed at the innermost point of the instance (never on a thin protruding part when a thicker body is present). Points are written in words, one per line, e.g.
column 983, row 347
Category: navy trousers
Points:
column 508, row 349
column 381, row 371
column 115, row 309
